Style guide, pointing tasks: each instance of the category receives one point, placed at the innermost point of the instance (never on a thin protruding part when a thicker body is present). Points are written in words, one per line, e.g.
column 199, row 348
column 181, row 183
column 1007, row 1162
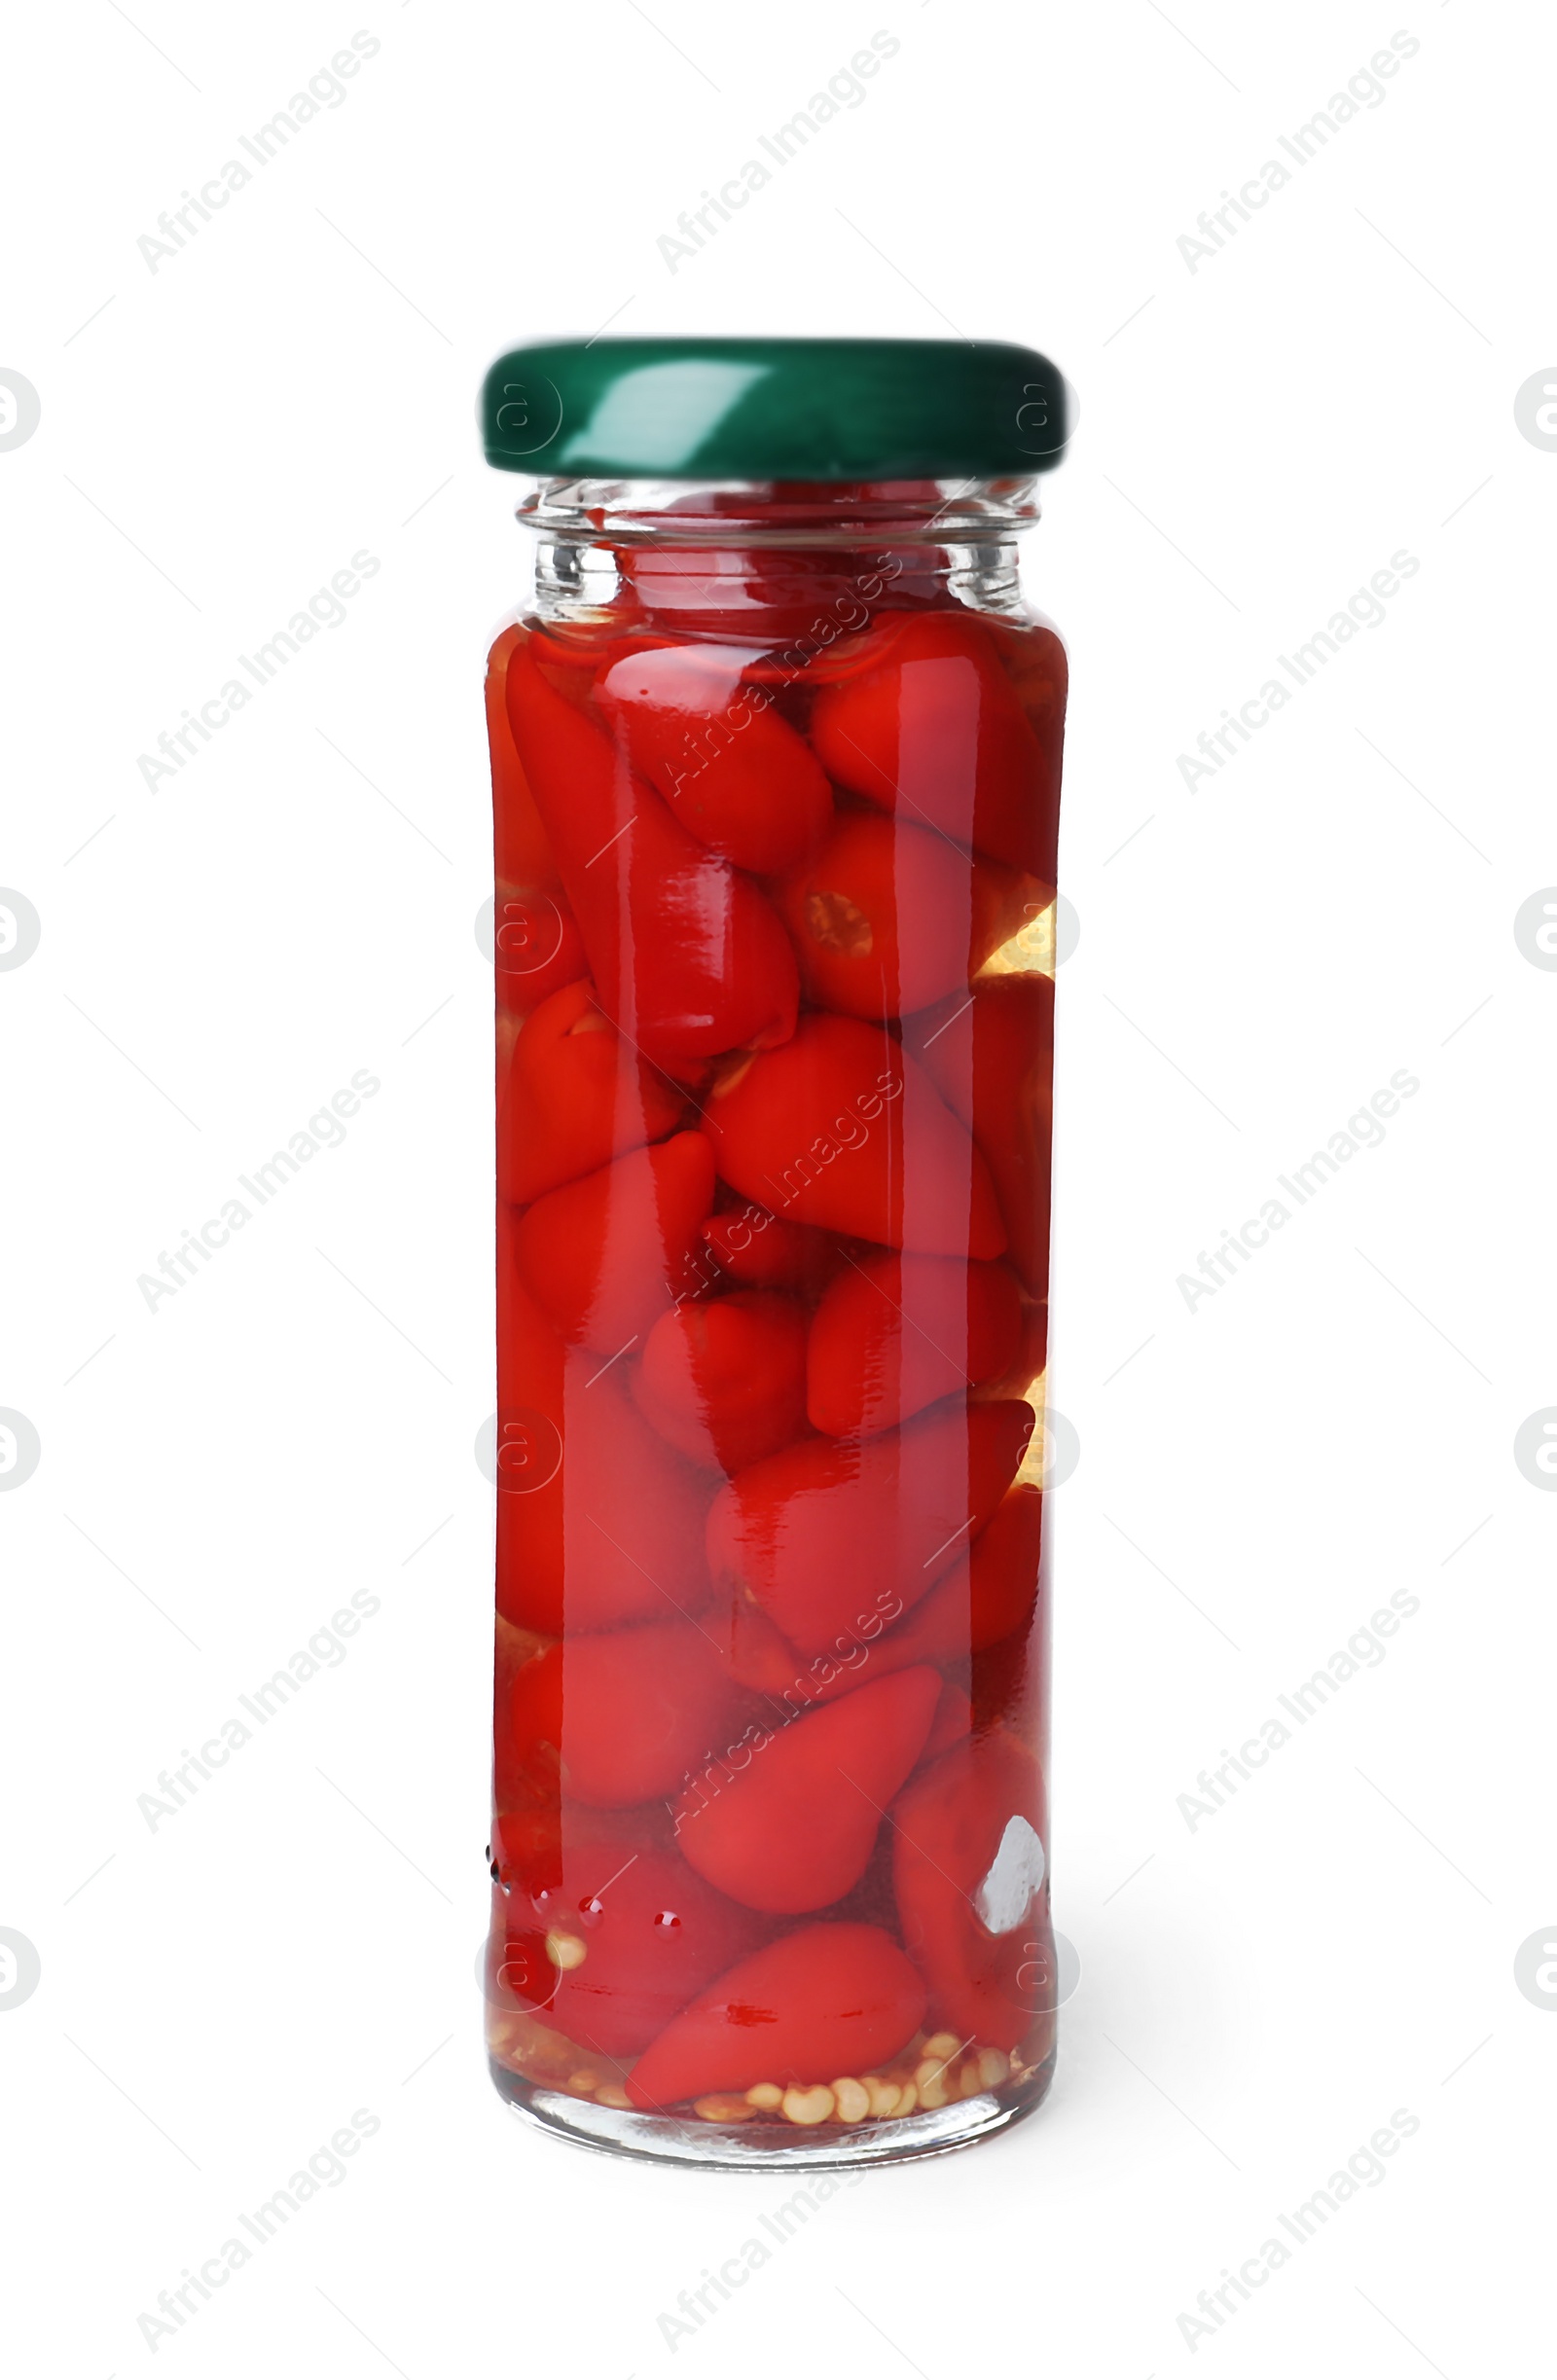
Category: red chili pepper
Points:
column 642, row 1933
column 987, row 1597
column 895, row 1333
column 844, row 1128
column 802, row 668
column 596, row 1517
column 523, row 857
column 1006, row 1682
column 614, row 1529
column 575, row 1098
column 575, row 658
column 935, row 733
column 688, row 958
column 525, row 1852
column 757, row 1655
column 948, row 1827
column 887, row 919
column 532, row 1357
column 603, row 1255
column 794, row 1828
column 1041, row 673
column 984, row 1603
column 787, row 599
column 817, row 1531
column 725, row 1380
column 1003, row 1585
column 536, row 947
column 760, row 1249
column 824, row 2001
column 1027, row 1366
column 527, row 1784
column 736, row 774
column 952, row 1724
column 629, row 1713
column 991, row 1059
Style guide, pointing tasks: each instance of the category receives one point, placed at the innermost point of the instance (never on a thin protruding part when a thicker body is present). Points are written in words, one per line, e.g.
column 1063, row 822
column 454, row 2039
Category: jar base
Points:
column 671, row 2140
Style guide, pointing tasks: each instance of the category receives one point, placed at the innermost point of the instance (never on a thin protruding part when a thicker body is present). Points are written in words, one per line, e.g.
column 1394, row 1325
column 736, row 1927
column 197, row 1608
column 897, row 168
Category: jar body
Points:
column 776, row 779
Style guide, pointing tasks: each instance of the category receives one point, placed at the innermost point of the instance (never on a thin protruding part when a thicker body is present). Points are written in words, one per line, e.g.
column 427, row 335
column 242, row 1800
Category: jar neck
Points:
column 760, row 558
column 812, row 514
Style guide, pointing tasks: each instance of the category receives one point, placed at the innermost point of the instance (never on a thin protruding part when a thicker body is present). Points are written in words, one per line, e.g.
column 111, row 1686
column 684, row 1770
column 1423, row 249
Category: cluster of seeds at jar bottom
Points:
column 932, row 2074
column 935, row 2071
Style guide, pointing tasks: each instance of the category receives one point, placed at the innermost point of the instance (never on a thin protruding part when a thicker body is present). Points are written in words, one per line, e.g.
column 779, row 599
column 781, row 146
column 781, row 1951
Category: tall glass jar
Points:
column 775, row 767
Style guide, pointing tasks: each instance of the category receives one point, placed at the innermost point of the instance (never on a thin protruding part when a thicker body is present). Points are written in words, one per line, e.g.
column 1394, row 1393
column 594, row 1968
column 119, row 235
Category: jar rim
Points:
column 797, row 512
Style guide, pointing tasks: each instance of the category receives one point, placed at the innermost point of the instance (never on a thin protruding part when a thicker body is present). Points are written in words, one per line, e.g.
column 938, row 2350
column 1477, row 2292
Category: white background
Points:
column 1262, row 1992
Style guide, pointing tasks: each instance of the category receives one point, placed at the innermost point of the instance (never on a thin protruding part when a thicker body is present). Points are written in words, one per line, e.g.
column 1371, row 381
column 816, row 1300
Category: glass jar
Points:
column 776, row 763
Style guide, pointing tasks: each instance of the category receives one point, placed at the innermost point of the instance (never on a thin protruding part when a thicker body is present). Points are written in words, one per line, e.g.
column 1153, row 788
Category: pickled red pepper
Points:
column 773, row 1121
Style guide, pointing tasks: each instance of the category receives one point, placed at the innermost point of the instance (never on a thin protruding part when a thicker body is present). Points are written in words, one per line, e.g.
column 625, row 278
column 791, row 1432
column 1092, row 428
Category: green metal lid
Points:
column 774, row 409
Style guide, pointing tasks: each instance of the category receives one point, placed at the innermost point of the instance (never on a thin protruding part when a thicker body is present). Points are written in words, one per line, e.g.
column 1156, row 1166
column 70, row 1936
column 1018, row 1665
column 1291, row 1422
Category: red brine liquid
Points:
column 774, row 1030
